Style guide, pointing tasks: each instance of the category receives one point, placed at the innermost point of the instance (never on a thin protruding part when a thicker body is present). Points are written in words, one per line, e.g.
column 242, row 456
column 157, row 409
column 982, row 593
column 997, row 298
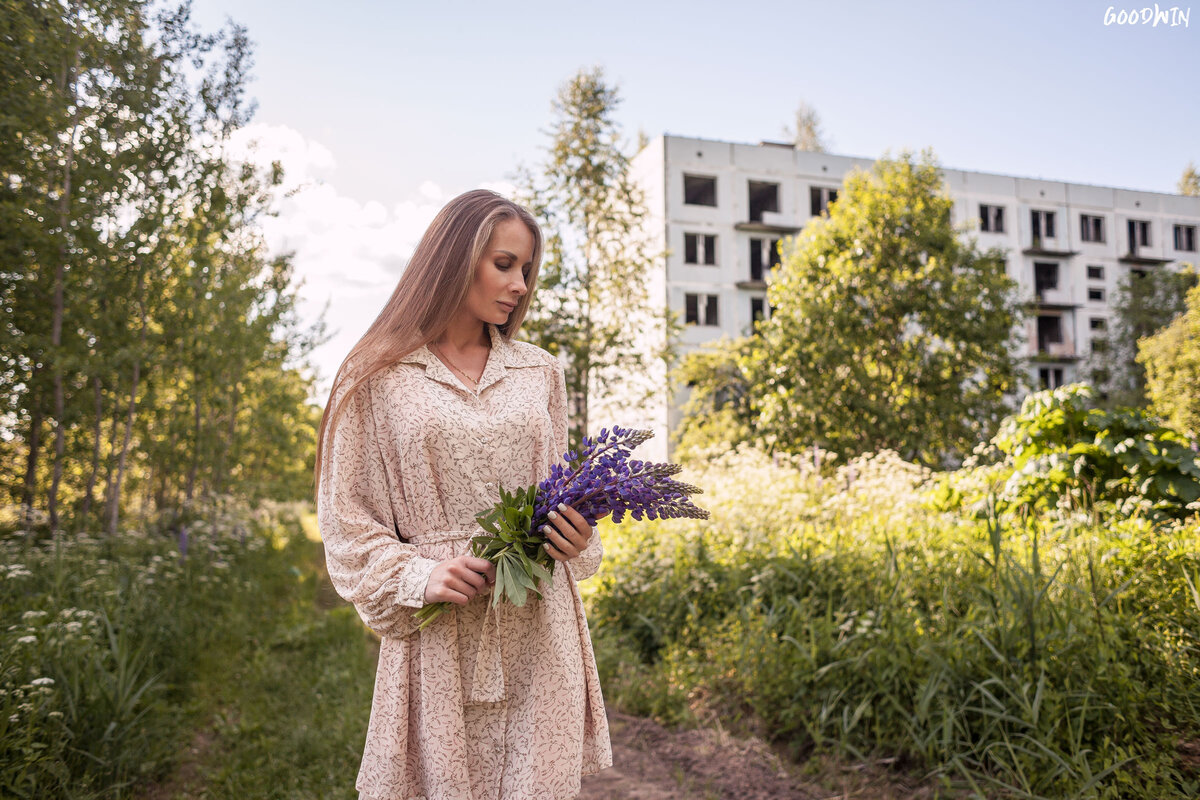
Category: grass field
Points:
column 838, row 617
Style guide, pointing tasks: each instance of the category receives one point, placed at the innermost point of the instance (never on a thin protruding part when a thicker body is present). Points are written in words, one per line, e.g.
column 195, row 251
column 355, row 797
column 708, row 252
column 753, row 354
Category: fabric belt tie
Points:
column 487, row 683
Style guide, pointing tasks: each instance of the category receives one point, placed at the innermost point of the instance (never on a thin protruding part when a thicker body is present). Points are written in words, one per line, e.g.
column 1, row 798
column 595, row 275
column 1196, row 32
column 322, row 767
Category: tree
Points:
column 807, row 134
column 1171, row 359
column 888, row 331
column 149, row 342
column 716, row 415
column 592, row 298
column 1145, row 301
column 1189, row 182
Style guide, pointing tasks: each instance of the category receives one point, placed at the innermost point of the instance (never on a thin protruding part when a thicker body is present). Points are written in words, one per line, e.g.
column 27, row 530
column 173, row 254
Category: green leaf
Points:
column 542, row 574
column 512, row 517
column 488, row 522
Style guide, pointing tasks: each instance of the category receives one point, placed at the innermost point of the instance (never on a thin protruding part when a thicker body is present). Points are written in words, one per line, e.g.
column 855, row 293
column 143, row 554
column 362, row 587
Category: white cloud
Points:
column 347, row 252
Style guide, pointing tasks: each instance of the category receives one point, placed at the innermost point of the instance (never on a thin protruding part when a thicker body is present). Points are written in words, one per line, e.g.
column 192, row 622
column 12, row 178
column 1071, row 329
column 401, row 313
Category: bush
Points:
column 101, row 636
column 832, row 611
column 1061, row 454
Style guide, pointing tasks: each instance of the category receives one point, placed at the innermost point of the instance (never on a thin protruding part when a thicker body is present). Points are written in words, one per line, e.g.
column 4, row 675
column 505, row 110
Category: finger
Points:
column 477, row 564
column 471, row 578
column 450, row 595
column 574, row 516
column 560, row 542
column 555, row 553
column 470, row 589
column 576, row 533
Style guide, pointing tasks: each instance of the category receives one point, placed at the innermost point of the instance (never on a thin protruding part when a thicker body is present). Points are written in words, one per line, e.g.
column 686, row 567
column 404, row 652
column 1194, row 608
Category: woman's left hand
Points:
column 567, row 534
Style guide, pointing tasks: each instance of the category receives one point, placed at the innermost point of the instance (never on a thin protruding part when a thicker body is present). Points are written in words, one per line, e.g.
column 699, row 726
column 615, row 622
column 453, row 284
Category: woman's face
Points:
column 500, row 274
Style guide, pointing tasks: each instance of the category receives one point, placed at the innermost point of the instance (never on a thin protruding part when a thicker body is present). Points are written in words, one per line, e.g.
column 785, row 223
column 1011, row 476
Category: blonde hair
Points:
column 434, row 284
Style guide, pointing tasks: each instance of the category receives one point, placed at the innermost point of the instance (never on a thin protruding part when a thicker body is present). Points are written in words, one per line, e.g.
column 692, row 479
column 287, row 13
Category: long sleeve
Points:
column 367, row 563
column 587, row 562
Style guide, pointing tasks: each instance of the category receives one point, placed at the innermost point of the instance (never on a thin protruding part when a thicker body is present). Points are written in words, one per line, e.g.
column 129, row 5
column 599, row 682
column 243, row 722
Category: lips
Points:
column 507, row 306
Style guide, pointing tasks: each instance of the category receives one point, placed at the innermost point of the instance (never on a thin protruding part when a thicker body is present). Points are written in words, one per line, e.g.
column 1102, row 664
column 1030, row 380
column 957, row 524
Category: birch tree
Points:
column 593, row 304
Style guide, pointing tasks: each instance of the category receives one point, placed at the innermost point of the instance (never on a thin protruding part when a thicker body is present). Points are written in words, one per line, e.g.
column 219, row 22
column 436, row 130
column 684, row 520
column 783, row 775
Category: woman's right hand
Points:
column 459, row 579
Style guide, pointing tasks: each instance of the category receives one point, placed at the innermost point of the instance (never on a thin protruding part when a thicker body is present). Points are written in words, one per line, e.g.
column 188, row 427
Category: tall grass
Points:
column 102, row 640
column 838, row 614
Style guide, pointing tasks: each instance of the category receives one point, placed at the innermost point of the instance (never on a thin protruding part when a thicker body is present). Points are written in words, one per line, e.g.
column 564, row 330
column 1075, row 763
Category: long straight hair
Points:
column 434, row 285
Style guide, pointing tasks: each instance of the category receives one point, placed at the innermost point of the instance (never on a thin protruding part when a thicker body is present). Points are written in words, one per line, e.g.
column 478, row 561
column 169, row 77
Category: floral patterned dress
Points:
column 483, row 703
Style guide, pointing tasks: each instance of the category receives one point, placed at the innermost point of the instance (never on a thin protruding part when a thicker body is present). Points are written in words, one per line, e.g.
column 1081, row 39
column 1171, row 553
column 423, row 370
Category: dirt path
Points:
column 652, row 763
column 649, row 763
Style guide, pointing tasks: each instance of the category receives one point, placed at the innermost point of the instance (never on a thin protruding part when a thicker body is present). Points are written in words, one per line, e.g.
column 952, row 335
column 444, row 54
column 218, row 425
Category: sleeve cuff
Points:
column 411, row 591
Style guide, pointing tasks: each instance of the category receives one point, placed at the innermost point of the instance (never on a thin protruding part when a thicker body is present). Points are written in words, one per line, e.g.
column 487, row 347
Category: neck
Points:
column 464, row 334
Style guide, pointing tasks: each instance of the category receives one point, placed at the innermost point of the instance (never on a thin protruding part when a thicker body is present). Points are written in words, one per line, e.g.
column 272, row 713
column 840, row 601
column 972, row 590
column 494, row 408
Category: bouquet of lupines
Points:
column 600, row 479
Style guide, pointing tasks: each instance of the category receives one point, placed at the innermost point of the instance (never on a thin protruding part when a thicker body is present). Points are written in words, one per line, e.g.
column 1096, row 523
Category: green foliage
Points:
column 522, row 564
column 888, row 331
column 828, row 609
column 1171, row 358
column 104, row 640
column 1061, row 454
column 153, row 352
column 592, row 297
column 716, row 415
column 1145, row 302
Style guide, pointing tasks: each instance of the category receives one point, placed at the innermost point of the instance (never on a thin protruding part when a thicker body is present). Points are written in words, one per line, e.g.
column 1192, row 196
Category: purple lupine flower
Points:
column 601, row 479
column 597, row 480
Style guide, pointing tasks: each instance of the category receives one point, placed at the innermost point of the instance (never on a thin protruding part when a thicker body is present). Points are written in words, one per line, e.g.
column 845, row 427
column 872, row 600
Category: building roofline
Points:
column 782, row 145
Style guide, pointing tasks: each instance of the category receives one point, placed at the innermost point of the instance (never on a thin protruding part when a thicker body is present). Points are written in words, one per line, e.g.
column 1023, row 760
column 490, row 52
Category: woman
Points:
column 434, row 410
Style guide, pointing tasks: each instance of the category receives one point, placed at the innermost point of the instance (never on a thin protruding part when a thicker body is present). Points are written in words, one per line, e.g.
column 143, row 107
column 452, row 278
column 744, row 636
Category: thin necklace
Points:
column 458, row 369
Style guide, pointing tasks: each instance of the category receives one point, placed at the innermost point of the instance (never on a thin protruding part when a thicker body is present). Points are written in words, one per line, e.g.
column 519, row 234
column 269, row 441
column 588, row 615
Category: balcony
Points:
column 1053, row 298
column 1138, row 256
column 1053, row 351
column 771, row 222
column 1039, row 246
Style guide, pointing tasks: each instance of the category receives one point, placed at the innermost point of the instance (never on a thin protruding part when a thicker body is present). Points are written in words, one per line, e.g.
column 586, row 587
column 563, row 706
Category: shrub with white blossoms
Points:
column 81, row 612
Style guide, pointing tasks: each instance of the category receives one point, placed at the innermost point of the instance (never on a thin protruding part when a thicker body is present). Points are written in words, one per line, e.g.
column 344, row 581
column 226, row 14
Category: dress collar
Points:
column 504, row 355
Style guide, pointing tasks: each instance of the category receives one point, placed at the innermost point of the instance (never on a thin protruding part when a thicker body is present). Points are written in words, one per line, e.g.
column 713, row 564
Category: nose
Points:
column 518, row 285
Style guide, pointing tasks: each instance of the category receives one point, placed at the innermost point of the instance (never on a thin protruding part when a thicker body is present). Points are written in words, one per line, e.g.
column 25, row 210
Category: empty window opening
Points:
column 1139, row 234
column 764, row 254
column 699, row 190
column 1043, row 225
column 1050, row 377
column 700, row 309
column 820, row 197
column 763, row 197
column 1049, row 331
column 991, row 218
column 1045, row 277
column 1185, row 238
column 700, row 248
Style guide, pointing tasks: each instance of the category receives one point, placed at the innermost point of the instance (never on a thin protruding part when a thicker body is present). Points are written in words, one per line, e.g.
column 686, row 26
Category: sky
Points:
column 383, row 111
